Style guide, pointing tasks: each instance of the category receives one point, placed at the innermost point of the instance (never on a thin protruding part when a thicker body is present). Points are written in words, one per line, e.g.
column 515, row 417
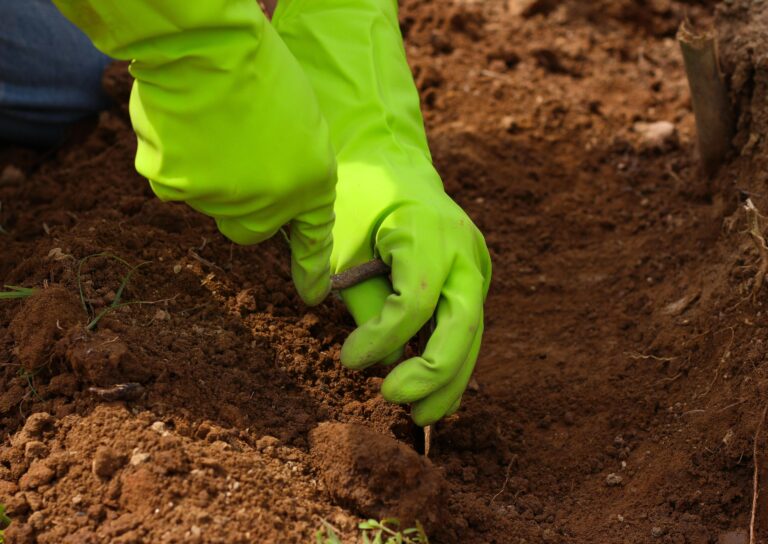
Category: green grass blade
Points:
column 14, row 292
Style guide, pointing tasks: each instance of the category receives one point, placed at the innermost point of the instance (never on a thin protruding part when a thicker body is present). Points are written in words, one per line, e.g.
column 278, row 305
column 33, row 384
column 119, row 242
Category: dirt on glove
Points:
column 622, row 379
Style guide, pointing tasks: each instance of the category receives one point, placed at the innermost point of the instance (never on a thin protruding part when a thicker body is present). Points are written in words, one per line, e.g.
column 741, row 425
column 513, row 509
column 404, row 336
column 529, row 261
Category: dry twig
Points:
column 359, row 274
column 122, row 391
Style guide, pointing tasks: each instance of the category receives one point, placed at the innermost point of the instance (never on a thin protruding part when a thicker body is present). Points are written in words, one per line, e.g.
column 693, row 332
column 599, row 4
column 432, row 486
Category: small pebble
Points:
column 656, row 136
column 139, row 458
column 658, row 532
column 613, row 480
column 158, row 427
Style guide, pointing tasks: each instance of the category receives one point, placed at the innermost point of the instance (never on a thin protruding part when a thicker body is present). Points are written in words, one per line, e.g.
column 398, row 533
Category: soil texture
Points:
column 619, row 393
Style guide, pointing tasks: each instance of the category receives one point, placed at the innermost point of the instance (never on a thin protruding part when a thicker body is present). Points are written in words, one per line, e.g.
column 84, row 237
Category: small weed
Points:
column 93, row 317
column 14, row 292
column 325, row 535
column 5, row 521
column 385, row 531
column 29, row 377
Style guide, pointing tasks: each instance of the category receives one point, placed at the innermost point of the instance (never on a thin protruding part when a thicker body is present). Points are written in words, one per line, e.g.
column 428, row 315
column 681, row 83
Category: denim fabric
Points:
column 50, row 73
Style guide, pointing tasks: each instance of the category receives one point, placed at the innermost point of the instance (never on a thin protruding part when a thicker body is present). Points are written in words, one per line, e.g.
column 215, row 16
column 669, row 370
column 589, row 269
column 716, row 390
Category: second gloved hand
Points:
column 226, row 121
column 391, row 204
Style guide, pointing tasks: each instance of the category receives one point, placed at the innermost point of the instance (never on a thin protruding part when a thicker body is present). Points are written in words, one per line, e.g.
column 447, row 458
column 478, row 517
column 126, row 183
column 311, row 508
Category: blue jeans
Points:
column 50, row 73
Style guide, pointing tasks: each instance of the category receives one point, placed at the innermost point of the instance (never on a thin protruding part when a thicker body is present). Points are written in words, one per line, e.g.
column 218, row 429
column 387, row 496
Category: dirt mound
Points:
column 41, row 323
column 377, row 476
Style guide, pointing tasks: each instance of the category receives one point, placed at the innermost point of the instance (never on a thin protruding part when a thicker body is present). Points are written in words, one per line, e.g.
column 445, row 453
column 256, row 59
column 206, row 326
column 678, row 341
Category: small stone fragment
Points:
column 656, row 136
column 139, row 458
column 613, row 480
column 158, row 427
column 658, row 532
column 106, row 462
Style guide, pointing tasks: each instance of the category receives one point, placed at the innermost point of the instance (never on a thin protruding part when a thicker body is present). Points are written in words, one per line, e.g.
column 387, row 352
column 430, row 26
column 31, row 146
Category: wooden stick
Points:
column 359, row 274
column 715, row 120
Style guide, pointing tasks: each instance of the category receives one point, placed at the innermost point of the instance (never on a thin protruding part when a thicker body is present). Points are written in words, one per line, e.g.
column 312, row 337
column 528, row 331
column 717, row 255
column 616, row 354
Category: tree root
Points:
column 754, row 230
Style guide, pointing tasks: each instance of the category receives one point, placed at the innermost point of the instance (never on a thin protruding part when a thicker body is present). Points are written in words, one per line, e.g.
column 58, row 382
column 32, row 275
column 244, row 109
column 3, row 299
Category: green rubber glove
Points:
column 226, row 120
column 391, row 204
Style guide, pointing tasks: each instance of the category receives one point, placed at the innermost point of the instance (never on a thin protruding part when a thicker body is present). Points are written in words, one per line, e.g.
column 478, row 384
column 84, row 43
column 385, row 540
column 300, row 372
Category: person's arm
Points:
column 226, row 120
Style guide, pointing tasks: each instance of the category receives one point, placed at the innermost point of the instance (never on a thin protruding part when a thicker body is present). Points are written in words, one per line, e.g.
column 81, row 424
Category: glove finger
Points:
column 459, row 317
column 404, row 311
column 365, row 301
column 311, row 245
column 446, row 400
column 454, row 408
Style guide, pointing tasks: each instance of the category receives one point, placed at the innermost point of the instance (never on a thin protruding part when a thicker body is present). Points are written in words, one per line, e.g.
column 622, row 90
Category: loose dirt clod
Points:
column 46, row 317
column 106, row 462
column 377, row 476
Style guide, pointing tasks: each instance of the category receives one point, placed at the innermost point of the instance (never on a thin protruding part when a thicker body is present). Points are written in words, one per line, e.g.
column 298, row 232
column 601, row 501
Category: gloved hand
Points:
column 391, row 204
column 226, row 120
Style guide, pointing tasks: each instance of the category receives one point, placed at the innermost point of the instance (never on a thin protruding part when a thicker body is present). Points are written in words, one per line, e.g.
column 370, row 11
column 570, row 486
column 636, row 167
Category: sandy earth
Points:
column 620, row 385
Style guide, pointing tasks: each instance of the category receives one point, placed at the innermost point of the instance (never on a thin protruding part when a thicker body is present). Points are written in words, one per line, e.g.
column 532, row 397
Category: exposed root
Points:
column 504, row 485
column 754, row 230
column 640, row 356
column 122, row 391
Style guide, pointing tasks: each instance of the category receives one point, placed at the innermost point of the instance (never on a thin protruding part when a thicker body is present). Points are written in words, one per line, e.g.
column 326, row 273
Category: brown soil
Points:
column 622, row 377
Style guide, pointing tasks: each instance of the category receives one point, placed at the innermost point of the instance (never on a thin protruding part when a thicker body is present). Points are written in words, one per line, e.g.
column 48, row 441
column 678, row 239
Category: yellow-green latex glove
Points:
column 391, row 204
column 226, row 120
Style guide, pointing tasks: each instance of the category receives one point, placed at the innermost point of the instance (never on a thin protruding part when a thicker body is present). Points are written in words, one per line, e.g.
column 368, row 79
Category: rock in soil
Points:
column 377, row 476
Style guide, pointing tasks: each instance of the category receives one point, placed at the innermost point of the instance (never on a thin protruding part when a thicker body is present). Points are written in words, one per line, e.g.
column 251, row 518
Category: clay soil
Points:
column 622, row 378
